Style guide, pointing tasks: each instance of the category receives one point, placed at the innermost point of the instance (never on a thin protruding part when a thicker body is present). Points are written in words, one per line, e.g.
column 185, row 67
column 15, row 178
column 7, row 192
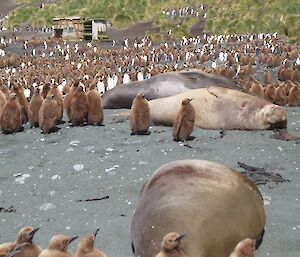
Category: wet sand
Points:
column 44, row 176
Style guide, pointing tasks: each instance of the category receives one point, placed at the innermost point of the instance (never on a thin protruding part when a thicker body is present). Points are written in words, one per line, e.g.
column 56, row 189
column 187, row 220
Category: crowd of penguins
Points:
column 58, row 246
column 51, row 76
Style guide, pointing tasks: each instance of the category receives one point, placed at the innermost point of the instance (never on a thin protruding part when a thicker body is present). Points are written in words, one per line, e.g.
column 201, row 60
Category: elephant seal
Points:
column 163, row 85
column 213, row 205
column 221, row 108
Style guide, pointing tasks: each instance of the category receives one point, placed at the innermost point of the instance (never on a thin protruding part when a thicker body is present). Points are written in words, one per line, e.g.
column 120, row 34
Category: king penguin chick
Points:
column 19, row 90
column 58, row 247
column 140, row 115
column 78, row 107
column 245, row 248
column 26, row 235
column 34, row 108
column 6, row 248
column 11, row 118
column 184, row 122
column 11, row 249
column 86, row 248
column 95, row 108
column 59, row 99
column 170, row 246
column 48, row 114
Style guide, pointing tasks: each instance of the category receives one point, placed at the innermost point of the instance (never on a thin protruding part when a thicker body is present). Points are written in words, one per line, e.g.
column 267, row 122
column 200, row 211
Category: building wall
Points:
column 96, row 28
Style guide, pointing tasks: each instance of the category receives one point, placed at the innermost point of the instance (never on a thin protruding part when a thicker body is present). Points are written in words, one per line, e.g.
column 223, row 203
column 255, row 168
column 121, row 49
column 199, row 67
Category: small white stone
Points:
column 69, row 150
column 142, row 163
column 52, row 193
column 78, row 167
column 47, row 206
column 55, row 177
column 74, row 143
column 21, row 180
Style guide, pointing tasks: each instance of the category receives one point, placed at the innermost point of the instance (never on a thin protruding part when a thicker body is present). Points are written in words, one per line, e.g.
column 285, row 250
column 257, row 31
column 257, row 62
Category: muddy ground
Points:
column 44, row 177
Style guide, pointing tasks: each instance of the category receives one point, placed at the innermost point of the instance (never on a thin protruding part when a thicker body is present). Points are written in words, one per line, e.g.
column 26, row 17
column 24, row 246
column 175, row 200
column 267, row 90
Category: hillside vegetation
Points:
column 224, row 16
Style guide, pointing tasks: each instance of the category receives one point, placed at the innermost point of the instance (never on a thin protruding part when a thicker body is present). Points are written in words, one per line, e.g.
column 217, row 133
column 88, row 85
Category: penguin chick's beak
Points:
column 33, row 232
column 96, row 232
column 179, row 237
column 72, row 239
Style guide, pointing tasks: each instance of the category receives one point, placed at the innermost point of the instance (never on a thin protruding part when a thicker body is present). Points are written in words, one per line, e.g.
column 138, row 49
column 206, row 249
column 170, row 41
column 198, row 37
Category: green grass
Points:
column 224, row 16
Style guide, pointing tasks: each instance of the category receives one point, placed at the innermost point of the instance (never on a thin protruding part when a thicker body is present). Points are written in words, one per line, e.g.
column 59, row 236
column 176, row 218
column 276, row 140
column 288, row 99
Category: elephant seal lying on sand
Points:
column 221, row 108
column 214, row 206
column 163, row 85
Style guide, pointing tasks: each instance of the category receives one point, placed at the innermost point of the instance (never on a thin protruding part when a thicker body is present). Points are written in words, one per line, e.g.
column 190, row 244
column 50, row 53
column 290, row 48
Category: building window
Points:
column 70, row 29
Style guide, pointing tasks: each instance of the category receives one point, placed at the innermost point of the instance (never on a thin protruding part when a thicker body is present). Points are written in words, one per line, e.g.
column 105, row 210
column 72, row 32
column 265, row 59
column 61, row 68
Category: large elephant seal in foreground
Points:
column 221, row 108
column 214, row 206
column 163, row 85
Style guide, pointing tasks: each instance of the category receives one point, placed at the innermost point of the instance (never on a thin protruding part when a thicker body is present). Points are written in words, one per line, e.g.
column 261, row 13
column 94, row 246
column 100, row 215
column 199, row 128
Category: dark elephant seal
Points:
column 221, row 108
column 163, row 85
column 214, row 206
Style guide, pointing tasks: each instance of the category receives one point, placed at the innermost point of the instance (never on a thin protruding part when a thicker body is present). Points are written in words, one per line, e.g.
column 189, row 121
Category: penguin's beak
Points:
column 179, row 237
column 33, row 232
column 191, row 99
column 72, row 239
column 96, row 232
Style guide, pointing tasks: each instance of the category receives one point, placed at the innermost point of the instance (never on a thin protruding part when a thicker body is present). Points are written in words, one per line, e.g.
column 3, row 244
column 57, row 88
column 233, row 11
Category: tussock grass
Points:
column 224, row 16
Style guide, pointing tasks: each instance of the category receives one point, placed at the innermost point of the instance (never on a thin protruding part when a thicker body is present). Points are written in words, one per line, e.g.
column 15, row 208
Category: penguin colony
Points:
column 58, row 246
column 54, row 77
column 41, row 84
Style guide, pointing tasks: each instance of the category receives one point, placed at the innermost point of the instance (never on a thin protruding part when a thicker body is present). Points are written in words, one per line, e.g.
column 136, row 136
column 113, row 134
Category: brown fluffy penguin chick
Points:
column 267, row 77
column 245, row 248
column 6, row 248
column 280, row 95
column 257, row 90
column 45, row 90
column 2, row 101
column 68, row 96
column 86, row 247
column 22, row 100
column 59, row 99
column 269, row 93
column 4, row 90
column 34, row 108
column 95, row 108
column 26, row 235
column 170, row 246
column 184, row 122
column 58, row 247
column 140, row 115
column 11, row 118
column 293, row 98
column 78, row 107
column 11, row 249
column 48, row 114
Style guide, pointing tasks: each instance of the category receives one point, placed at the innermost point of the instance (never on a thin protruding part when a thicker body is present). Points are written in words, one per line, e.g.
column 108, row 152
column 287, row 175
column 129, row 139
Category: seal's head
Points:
column 171, row 241
column 275, row 117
